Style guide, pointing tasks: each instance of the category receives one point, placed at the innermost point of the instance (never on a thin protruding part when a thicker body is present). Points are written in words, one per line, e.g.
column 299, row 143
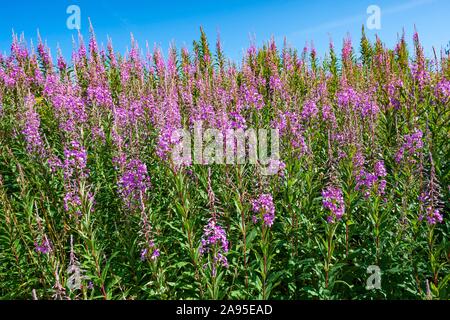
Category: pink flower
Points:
column 265, row 207
column 333, row 200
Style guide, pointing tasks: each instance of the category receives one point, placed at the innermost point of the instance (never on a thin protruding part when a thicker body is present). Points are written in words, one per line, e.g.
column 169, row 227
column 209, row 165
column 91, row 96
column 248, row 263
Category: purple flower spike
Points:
column 265, row 207
column 333, row 200
column 215, row 240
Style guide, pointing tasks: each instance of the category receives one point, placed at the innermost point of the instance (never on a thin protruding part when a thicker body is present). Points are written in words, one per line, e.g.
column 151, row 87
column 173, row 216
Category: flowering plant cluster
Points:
column 333, row 200
column 214, row 240
column 264, row 206
column 94, row 203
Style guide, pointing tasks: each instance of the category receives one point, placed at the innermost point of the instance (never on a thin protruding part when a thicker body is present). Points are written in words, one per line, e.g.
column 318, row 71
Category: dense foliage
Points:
column 93, row 207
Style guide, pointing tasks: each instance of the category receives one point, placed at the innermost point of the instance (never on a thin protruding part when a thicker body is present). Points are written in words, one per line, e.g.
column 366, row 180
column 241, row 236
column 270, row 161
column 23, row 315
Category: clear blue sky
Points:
column 162, row 22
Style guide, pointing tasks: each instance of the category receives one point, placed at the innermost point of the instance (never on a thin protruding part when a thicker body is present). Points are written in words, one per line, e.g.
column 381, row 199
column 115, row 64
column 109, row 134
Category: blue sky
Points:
column 163, row 22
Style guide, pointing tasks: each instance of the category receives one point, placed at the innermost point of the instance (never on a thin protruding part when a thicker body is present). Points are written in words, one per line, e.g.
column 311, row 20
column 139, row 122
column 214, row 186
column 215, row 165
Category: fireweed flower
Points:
column 347, row 49
column 310, row 109
column 72, row 200
column 75, row 171
column 264, row 206
column 347, row 97
column 380, row 169
column 412, row 144
column 165, row 144
column 44, row 246
column 150, row 252
column 367, row 181
column 214, row 241
column 442, row 91
column 289, row 124
column 100, row 95
column 61, row 62
column 44, row 55
column 69, row 105
column 333, row 200
column 275, row 83
column 37, row 78
column 358, row 161
column 167, row 120
column 31, row 129
column 237, row 121
column 133, row 183
column 328, row 115
column 418, row 68
column 433, row 216
column 251, row 96
column 4, row 77
column 366, row 104
column 75, row 161
column 393, row 89
column 18, row 49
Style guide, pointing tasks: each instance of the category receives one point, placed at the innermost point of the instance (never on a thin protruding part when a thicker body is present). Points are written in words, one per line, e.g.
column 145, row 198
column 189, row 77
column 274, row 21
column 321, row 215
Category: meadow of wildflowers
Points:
column 93, row 206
